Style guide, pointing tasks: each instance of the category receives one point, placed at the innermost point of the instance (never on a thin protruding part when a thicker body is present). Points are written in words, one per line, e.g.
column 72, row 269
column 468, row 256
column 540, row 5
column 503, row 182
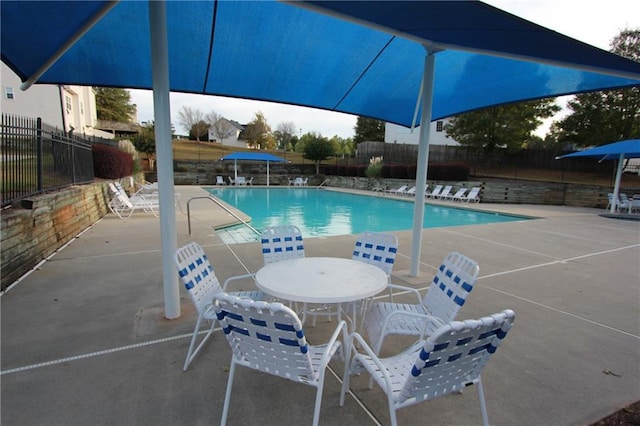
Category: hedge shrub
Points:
column 111, row 163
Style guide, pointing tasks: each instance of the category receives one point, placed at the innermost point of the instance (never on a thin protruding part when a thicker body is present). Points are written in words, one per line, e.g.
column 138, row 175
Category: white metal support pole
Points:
column 423, row 161
column 616, row 185
column 164, row 153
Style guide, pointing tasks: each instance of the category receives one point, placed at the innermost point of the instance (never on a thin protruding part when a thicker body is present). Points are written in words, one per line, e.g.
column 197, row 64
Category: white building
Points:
column 62, row 106
column 394, row 133
column 227, row 132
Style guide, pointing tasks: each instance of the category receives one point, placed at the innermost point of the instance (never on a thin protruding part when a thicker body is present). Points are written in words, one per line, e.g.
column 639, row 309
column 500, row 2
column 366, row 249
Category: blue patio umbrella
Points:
column 252, row 156
column 613, row 151
column 405, row 62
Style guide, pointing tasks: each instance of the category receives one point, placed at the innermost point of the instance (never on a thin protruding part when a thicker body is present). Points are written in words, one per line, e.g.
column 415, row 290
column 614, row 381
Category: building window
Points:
column 8, row 92
column 67, row 101
column 439, row 125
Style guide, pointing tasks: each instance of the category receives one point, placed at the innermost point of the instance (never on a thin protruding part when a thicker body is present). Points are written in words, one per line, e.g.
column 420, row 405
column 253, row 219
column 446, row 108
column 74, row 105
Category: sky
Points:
column 593, row 22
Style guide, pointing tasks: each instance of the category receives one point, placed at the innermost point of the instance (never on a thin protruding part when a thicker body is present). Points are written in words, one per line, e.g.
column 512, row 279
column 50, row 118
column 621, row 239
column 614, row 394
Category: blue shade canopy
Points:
column 612, row 151
column 254, row 156
column 390, row 60
column 290, row 53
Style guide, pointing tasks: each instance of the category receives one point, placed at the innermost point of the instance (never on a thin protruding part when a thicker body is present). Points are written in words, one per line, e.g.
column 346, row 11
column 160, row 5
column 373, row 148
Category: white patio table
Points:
column 322, row 280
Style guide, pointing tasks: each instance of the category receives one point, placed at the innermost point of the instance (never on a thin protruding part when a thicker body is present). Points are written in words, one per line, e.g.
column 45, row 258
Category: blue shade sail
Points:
column 365, row 58
column 612, row 151
column 254, row 156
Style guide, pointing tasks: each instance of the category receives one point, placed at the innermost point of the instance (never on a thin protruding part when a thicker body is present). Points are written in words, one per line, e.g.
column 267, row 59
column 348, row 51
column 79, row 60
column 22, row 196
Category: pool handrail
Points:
column 323, row 182
column 223, row 207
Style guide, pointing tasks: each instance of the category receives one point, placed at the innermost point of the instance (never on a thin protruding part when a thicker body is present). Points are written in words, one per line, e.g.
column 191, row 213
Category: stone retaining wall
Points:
column 44, row 223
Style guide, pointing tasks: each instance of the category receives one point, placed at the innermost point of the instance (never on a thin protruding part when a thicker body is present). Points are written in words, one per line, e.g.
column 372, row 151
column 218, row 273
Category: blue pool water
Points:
column 323, row 213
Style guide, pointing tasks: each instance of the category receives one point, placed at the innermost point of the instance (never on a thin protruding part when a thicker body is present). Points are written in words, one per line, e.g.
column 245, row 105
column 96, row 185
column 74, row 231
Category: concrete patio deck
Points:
column 84, row 340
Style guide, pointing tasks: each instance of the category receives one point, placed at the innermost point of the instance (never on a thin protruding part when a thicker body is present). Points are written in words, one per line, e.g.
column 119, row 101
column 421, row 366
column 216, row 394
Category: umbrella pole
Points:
column 423, row 161
column 267, row 172
column 164, row 152
column 616, row 185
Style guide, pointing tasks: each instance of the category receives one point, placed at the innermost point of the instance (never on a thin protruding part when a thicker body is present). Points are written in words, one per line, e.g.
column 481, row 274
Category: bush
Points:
column 111, row 163
column 374, row 170
column 329, row 170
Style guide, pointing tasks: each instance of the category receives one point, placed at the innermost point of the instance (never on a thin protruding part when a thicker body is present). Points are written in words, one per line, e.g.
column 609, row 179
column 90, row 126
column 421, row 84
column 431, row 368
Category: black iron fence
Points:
column 37, row 157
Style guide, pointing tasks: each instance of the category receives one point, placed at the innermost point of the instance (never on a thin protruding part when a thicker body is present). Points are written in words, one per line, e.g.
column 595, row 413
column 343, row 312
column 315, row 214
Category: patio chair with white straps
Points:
column 198, row 277
column 449, row 360
column 379, row 249
column 448, row 292
column 268, row 337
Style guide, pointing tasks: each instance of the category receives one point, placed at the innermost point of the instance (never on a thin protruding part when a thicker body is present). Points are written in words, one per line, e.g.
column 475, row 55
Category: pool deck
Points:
column 84, row 340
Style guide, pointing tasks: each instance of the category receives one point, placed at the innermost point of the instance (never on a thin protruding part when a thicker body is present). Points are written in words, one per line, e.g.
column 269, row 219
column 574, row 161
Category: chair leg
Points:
column 483, row 405
column 191, row 353
column 227, row 395
column 316, row 410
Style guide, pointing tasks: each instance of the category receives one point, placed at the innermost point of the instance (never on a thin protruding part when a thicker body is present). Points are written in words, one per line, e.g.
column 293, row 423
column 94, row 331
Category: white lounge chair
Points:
column 298, row 181
column 305, row 181
column 448, row 292
column 231, row 181
column 445, row 192
column 451, row 359
column 269, row 338
column 411, row 192
column 241, row 181
column 473, row 195
column 198, row 277
column 398, row 190
column 435, row 193
column 123, row 206
column 457, row 196
column 220, row 180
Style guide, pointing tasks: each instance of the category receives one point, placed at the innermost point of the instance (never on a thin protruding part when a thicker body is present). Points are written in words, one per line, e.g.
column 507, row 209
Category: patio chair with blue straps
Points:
column 448, row 292
column 268, row 337
column 452, row 358
column 198, row 277
column 379, row 249
column 281, row 242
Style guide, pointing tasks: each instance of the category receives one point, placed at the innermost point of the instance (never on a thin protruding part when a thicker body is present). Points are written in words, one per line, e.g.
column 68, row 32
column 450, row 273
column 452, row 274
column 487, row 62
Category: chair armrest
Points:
column 426, row 317
column 371, row 354
column 405, row 289
column 340, row 328
column 236, row 277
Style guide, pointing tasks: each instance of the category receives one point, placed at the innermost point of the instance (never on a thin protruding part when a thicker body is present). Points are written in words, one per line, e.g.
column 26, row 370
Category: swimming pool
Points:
column 324, row 213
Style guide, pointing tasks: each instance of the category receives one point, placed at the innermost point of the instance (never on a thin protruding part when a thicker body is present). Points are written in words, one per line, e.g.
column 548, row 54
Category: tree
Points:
column 188, row 117
column 284, row 134
column 607, row 116
column 199, row 130
column 368, row 129
column 341, row 146
column 114, row 104
column 145, row 141
column 316, row 148
column 258, row 132
column 509, row 126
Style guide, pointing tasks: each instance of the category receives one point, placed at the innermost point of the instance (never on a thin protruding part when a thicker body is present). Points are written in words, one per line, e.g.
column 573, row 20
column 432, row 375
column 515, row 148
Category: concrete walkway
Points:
column 84, row 339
